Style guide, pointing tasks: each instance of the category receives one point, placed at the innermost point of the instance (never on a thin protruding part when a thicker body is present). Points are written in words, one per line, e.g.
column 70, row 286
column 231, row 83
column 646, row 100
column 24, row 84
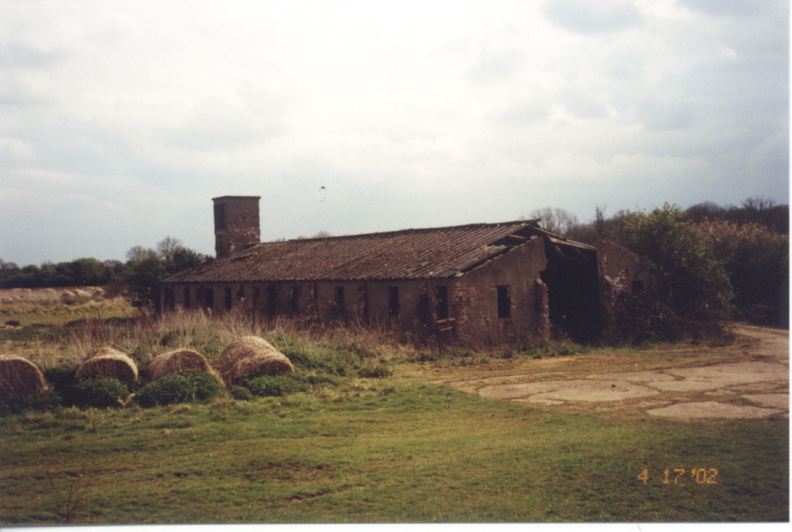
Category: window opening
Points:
column 441, row 302
column 186, row 297
column 220, row 217
column 504, row 302
column 272, row 298
column 256, row 297
column 229, row 299
column 393, row 301
column 294, row 301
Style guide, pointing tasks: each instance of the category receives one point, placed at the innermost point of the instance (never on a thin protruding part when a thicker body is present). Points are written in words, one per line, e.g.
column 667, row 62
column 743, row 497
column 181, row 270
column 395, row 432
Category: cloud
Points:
column 410, row 113
column 592, row 17
column 221, row 126
column 18, row 54
column 729, row 8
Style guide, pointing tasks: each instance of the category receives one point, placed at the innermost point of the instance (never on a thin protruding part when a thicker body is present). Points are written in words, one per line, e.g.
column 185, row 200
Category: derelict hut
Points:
column 478, row 281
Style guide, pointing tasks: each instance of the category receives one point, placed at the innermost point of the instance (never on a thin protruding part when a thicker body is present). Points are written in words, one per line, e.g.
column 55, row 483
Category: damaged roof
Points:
column 408, row 254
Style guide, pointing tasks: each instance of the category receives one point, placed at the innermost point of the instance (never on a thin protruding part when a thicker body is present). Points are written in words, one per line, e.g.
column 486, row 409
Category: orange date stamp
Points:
column 696, row 475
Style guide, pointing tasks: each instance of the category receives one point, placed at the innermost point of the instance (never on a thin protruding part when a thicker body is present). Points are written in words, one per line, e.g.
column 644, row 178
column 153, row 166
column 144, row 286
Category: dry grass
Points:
column 251, row 354
column 108, row 362
column 19, row 377
column 179, row 361
column 143, row 337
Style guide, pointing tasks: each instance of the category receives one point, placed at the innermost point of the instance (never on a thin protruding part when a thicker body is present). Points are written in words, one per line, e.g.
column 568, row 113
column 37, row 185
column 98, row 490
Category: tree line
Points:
column 714, row 263
column 135, row 279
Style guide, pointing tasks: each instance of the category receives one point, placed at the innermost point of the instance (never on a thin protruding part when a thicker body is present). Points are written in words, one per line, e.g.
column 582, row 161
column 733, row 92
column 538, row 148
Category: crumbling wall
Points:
column 237, row 223
column 476, row 295
column 621, row 271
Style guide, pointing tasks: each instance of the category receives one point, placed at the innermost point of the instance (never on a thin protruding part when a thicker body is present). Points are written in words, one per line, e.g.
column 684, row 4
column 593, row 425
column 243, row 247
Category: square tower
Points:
column 237, row 225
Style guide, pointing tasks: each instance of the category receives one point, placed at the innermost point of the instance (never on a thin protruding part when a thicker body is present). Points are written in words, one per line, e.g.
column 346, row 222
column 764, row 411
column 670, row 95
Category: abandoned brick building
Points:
column 494, row 281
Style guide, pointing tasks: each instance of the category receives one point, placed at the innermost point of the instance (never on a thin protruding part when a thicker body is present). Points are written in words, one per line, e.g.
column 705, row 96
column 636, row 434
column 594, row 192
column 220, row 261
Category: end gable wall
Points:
column 476, row 294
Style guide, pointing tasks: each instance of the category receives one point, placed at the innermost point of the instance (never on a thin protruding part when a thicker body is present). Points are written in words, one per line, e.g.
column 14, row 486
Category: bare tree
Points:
column 558, row 221
column 168, row 247
column 138, row 253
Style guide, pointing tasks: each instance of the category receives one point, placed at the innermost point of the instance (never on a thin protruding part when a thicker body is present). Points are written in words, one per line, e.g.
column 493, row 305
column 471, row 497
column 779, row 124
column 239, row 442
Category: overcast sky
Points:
column 119, row 121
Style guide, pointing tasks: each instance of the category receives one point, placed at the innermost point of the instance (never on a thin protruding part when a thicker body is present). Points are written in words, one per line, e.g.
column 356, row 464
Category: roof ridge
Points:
column 529, row 222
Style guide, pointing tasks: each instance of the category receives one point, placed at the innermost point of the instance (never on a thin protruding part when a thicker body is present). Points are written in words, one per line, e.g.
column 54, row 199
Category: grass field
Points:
column 390, row 449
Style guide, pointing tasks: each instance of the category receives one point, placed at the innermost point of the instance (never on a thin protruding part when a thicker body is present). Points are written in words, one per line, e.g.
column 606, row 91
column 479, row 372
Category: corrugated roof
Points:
column 409, row 254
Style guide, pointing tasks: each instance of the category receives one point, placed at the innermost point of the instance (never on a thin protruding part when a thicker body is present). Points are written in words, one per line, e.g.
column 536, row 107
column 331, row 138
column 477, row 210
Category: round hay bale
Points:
column 179, row 361
column 251, row 354
column 19, row 377
column 102, row 351
column 108, row 362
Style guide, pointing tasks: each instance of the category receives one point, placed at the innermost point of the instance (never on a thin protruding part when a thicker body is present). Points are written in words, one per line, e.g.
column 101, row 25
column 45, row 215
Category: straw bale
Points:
column 178, row 361
column 108, row 362
column 19, row 377
column 251, row 354
column 102, row 351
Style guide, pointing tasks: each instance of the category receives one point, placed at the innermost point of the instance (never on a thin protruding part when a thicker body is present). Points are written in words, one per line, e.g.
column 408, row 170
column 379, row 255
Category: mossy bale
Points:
column 177, row 362
column 251, row 354
column 108, row 362
column 19, row 377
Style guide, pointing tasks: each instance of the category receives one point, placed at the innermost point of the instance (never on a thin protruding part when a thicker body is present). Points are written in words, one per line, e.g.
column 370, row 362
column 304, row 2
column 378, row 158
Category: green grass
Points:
column 360, row 436
column 61, row 311
column 381, row 450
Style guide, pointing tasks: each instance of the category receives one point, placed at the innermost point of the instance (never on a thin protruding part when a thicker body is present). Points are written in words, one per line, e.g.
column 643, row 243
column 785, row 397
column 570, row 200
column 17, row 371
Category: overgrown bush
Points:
column 275, row 385
column 98, row 392
column 640, row 318
column 48, row 400
column 693, row 285
column 184, row 388
column 339, row 362
column 757, row 259
column 61, row 376
column 241, row 393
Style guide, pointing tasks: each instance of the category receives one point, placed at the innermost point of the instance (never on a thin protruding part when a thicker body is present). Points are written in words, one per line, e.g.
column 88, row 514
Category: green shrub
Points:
column 241, row 393
column 275, row 385
column 341, row 362
column 44, row 401
column 60, row 377
column 184, row 388
column 322, row 378
column 206, row 386
column 302, row 358
column 99, row 392
column 48, row 400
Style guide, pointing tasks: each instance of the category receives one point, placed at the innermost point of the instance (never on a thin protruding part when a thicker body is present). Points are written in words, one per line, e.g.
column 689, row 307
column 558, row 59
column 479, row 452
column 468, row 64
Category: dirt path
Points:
column 755, row 384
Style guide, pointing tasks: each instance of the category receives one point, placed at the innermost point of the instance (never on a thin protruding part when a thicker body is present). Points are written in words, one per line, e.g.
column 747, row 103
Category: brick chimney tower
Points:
column 237, row 225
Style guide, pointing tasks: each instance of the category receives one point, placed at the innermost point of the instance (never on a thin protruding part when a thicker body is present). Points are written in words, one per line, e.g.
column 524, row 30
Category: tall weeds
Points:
column 146, row 336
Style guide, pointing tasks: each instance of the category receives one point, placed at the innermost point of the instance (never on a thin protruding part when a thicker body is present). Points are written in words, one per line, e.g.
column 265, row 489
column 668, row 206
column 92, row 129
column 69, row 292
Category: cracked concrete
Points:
column 757, row 388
